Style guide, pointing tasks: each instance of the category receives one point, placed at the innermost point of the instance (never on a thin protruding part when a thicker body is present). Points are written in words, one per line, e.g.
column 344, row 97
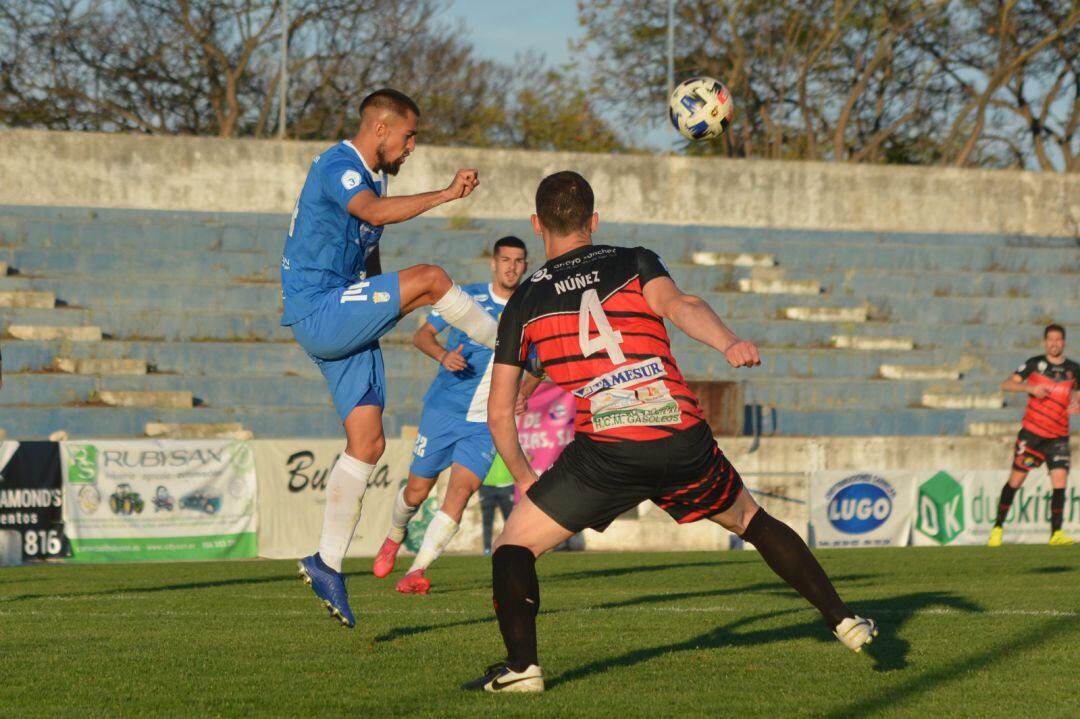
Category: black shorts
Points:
column 1033, row 451
column 592, row 483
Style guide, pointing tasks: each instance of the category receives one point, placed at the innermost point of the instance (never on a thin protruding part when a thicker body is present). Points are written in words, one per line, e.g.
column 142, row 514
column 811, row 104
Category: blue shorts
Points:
column 342, row 338
column 443, row 440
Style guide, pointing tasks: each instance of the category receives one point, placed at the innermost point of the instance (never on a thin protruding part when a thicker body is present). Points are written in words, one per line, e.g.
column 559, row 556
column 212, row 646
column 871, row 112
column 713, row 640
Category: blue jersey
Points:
column 326, row 246
column 464, row 394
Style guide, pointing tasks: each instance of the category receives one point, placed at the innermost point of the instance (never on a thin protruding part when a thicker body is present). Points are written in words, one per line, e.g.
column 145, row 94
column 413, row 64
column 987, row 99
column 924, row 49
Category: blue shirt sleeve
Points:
column 343, row 180
column 436, row 320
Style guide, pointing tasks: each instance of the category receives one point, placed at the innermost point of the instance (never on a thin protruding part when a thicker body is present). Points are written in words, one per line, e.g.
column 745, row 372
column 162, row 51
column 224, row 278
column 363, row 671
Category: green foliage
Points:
column 970, row 83
column 213, row 68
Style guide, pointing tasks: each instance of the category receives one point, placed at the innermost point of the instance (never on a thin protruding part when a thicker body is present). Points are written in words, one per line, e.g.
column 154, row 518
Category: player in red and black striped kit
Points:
column 594, row 315
column 1050, row 380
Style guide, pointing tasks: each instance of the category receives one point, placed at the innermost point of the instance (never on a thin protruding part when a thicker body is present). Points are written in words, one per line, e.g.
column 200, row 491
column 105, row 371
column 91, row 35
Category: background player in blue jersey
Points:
column 338, row 303
column 453, row 428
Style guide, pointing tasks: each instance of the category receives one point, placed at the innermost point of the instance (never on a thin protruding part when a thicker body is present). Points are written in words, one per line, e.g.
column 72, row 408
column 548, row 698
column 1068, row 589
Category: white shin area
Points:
column 439, row 533
column 400, row 517
column 462, row 311
column 344, row 497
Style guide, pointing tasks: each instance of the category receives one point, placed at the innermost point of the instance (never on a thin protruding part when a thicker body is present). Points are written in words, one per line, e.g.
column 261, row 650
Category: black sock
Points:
column 787, row 554
column 1007, row 494
column 1057, row 508
column 517, row 602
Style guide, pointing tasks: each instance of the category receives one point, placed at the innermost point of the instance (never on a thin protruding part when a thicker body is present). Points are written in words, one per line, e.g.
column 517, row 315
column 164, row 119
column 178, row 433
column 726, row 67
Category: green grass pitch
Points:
column 965, row 632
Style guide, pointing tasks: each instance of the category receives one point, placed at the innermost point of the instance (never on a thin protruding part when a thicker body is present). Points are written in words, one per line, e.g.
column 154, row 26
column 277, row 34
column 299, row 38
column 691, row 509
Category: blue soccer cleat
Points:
column 329, row 587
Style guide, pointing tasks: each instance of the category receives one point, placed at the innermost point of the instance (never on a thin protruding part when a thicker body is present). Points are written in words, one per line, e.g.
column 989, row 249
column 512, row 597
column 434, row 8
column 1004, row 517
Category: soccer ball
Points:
column 701, row 108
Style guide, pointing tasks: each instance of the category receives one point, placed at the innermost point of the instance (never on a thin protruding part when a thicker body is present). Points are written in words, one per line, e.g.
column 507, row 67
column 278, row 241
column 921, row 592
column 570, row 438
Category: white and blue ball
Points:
column 701, row 108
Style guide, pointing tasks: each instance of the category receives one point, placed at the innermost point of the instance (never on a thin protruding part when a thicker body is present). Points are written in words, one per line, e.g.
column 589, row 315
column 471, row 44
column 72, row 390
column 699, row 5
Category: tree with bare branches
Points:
column 212, row 67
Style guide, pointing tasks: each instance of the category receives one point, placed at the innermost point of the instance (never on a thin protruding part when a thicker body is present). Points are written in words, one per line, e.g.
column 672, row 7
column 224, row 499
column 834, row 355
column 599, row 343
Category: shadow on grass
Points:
column 611, row 572
column 778, row 588
column 889, row 651
column 214, row 584
column 1051, row 570
column 405, row 632
column 1008, row 647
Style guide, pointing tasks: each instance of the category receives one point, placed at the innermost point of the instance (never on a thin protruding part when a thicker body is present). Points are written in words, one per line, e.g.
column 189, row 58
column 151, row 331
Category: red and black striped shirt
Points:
column 1049, row 416
column 596, row 337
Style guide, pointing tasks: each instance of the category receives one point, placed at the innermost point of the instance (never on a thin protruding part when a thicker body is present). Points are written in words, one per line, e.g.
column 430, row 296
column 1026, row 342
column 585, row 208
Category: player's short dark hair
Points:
column 564, row 202
column 510, row 241
column 389, row 99
column 1053, row 328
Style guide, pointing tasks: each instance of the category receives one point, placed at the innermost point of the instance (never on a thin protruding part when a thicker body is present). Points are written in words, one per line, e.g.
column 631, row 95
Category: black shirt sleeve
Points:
column 508, row 349
column 649, row 266
column 1027, row 368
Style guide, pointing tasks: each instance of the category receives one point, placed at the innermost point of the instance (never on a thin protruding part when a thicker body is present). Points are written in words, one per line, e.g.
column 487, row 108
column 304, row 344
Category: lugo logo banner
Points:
column 31, row 499
column 292, row 478
column 159, row 499
column 860, row 510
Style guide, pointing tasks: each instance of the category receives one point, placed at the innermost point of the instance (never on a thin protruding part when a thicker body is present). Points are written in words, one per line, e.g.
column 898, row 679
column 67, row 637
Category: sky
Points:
column 501, row 29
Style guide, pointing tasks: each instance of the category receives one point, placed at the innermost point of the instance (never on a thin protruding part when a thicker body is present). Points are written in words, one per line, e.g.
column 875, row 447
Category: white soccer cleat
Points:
column 854, row 632
column 501, row 678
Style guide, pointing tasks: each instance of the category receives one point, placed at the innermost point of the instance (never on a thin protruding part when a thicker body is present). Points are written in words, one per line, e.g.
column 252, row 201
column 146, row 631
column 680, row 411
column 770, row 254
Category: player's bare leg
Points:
column 408, row 500
column 787, row 554
column 1016, row 480
column 345, row 489
column 422, row 285
column 463, row 485
column 1058, row 477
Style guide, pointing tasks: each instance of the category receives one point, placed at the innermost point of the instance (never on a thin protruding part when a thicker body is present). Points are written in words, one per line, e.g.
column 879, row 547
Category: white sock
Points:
column 399, row 518
column 344, row 496
column 459, row 309
column 439, row 533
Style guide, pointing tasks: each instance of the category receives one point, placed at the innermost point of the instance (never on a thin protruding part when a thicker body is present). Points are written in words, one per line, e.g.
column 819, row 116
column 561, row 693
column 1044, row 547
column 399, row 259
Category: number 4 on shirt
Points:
column 608, row 339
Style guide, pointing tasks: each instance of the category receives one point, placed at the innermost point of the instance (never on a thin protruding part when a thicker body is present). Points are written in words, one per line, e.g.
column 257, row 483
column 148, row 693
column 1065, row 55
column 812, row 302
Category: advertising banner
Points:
column 960, row 508
column 851, row 509
column 547, row 426
column 292, row 496
column 159, row 499
column 31, row 499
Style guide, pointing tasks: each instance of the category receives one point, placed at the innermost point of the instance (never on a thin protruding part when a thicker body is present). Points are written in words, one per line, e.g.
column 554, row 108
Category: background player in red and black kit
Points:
column 595, row 316
column 1051, row 381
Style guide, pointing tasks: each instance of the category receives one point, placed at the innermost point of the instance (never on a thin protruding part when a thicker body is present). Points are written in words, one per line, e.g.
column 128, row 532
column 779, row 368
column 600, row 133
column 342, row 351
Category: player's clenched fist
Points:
column 453, row 360
column 465, row 181
column 742, row 354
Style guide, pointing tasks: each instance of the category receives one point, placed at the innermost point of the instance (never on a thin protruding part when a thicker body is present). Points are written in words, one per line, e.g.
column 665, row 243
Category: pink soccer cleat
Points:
column 414, row 583
column 384, row 560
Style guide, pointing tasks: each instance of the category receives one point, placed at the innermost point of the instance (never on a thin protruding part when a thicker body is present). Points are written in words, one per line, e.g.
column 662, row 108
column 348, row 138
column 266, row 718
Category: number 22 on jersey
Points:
column 608, row 339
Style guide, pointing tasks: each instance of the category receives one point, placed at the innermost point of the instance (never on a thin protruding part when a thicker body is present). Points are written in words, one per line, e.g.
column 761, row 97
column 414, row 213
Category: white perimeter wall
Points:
column 206, row 174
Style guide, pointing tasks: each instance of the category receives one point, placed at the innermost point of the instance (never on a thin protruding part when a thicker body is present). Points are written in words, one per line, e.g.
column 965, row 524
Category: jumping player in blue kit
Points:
column 453, row 429
column 338, row 304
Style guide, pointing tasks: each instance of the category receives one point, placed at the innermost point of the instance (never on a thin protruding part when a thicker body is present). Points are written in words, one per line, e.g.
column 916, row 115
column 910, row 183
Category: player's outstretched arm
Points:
column 693, row 316
column 505, row 379
column 376, row 210
column 1016, row 383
